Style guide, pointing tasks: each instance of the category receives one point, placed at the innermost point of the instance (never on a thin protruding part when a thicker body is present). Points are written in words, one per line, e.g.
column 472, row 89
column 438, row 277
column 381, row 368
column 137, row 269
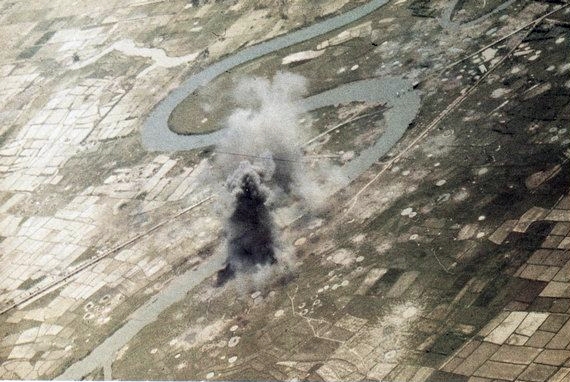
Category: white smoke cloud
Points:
column 261, row 153
column 266, row 125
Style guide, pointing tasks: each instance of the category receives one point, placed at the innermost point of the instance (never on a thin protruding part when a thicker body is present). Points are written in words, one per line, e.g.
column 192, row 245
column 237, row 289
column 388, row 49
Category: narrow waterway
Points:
column 446, row 18
column 154, row 133
column 396, row 92
column 104, row 354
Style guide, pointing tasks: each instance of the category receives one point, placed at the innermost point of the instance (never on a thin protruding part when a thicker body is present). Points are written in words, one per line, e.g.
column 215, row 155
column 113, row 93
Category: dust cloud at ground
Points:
column 266, row 141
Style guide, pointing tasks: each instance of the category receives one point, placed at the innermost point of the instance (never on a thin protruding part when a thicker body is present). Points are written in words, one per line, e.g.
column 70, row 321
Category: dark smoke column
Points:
column 250, row 228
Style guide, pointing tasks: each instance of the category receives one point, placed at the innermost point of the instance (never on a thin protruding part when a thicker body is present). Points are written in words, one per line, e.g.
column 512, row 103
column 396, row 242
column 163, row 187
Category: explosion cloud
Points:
column 250, row 228
column 263, row 131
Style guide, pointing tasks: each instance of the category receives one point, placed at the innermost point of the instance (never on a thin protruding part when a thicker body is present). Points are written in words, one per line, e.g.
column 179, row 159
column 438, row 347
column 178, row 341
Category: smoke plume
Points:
column 264, row 137
column 267, row 121
column 250, row 228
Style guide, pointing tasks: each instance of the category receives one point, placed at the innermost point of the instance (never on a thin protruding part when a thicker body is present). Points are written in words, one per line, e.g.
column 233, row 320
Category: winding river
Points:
column 396, row 92
column 155, row 134
column 157, row 137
